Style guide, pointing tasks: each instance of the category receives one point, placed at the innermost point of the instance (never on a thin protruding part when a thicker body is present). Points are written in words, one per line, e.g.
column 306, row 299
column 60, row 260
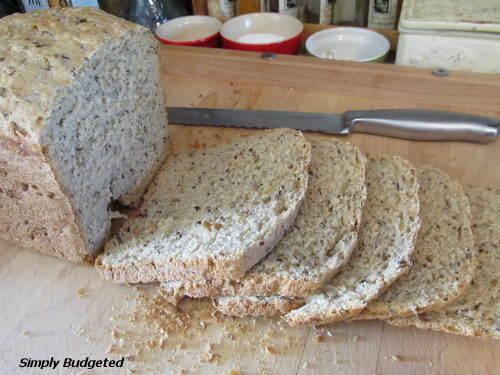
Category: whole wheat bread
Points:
column 477, row 311
column 82, row 123
column 320, row 240
column 444, row 257
column 213, row 213
column 388, row 229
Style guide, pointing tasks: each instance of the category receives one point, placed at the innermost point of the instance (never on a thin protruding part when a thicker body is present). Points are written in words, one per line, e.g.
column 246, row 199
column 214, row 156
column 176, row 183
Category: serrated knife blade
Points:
column 415, row 124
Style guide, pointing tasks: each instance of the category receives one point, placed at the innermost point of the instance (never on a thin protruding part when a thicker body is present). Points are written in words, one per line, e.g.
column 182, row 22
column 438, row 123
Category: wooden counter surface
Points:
column 51, row 308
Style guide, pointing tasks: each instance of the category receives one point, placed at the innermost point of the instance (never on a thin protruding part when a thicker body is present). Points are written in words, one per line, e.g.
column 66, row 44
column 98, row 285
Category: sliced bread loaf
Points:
column 320, row 240
column 386, row 237
column 82, row 123
column 477, row 311
column 213, row 213
column 444, row 257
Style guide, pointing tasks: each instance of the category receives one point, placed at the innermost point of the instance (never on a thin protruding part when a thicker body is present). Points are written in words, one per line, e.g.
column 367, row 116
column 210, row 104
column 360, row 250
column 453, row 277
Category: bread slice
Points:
column 320, row 240
column 444, row 258
column 82, row 123
column 213, row 213
column 477, row 311
column 386, row 237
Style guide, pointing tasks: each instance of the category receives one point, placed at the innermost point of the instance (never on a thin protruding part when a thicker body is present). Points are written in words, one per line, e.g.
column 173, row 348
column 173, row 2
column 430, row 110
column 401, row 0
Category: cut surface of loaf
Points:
column 320, row 240
column 386, row 237
column 82, row 123
column 213, row 213
column 444, row 257
column 477, row 311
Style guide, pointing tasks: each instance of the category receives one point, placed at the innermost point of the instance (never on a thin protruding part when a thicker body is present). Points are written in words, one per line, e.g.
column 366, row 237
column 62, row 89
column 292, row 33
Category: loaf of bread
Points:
column 477, row 311
column 213, row 213
column 320, row 240
column 386, row 240
column 82, row 123
column 444, row 259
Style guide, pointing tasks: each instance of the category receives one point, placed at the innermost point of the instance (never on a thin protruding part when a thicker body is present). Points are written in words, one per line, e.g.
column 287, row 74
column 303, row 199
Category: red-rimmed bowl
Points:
column 263, row 32
column 201, row 31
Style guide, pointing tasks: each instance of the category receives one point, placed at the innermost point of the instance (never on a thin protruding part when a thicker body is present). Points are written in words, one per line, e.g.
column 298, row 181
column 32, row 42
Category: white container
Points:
column 456, row 35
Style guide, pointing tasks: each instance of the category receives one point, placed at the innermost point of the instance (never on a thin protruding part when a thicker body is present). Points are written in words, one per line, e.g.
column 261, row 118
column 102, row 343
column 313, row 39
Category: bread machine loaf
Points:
column 82, row 123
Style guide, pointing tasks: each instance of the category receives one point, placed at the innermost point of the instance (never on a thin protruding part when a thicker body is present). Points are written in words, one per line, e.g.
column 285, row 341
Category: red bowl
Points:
column 235, row 33
column 200, row 31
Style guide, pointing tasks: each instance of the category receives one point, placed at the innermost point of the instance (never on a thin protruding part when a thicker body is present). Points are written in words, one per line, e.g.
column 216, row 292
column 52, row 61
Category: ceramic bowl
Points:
column 202, row 31
column 348, row 43
column 263, row 32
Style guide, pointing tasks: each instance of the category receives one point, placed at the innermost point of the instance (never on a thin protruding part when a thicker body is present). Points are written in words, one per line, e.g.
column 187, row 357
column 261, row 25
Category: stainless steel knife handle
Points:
column 424, row 125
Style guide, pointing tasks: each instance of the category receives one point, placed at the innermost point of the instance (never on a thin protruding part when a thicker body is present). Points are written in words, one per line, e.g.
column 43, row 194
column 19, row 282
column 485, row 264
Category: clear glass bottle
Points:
column 318, row 11
column 221, row 8
column 382, row 14
column 289, row 7
column 152, row 13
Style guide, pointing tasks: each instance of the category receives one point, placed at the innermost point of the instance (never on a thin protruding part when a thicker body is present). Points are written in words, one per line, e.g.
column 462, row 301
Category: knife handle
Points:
column 424, row 125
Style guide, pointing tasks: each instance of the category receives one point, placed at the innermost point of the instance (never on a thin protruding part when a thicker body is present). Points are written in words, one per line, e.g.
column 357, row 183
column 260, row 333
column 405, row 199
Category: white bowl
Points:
column 348, row 43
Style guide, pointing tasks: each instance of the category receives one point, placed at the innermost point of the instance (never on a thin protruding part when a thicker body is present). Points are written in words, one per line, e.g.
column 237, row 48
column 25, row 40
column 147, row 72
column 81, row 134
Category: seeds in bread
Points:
column 82, row 123
column 386, row 237
column 213, row 213
column 320, row 240
column 477, row 311
column 443, row 258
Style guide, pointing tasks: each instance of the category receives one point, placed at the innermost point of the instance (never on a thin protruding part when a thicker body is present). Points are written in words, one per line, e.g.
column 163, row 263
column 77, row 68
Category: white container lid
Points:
column 462, row 15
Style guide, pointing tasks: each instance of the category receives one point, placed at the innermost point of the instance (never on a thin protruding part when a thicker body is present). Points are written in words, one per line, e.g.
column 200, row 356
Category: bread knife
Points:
column 415, row 124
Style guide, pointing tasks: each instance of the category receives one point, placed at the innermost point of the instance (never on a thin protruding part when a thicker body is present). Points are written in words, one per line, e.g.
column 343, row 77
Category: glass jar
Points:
column 350, row 13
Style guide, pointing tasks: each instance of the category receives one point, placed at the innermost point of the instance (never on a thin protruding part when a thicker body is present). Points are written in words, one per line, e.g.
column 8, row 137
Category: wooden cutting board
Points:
column 51, row 308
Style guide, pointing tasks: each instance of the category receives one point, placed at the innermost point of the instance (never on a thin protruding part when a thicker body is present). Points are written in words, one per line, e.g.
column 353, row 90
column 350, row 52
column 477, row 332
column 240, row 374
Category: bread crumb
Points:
column 395, row 358
column 27, row 333
column 234, row 372
column 208, row 355
column 305, row 364
column 318, row 338
column 81, row 293
column 271, row 350
column 182, row 372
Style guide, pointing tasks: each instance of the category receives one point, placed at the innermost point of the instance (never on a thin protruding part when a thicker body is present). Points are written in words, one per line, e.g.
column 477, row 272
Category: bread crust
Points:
column 56, row 45
column 36, row 213
column 392, row 259
column 255, row 306
column 475, row 312
column 385, row 307
column 195, row 269
column 132, row 239
column 332, row 240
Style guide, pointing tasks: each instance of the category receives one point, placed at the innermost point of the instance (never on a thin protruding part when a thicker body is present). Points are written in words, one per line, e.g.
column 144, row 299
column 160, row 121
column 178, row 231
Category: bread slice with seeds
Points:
column 444, row 258
column 320, row 240
column 477, row 311
column 213, row 213
column 386, row 240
